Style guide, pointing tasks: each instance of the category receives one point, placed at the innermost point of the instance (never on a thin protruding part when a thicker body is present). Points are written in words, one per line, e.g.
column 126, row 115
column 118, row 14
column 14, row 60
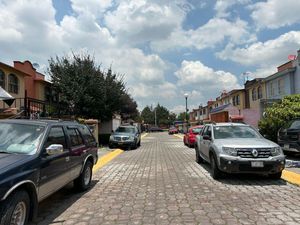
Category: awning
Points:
column 7, row 98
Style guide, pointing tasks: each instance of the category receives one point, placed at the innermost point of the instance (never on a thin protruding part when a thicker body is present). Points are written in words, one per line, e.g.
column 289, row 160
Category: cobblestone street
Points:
column 160, row 183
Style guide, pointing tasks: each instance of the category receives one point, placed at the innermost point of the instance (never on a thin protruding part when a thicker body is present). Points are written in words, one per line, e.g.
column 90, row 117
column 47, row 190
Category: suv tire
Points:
column 215, row 172
column 15, row 207
column 275, row 176
column 83, row 182
column 198, row 157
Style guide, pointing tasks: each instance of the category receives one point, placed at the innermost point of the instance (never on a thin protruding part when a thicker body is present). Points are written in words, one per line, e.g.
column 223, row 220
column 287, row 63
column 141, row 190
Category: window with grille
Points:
column 259, row 92
column 2, row 79
column 13, row 84
column 254, row 94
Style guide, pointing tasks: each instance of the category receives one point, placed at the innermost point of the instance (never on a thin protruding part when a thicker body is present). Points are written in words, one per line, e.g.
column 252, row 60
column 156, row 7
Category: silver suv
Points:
column 125, row 136
column 238, row 148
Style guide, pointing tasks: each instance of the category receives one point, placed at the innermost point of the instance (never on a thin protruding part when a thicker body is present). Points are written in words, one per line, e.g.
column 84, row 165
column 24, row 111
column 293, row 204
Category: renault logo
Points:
column 254, row 152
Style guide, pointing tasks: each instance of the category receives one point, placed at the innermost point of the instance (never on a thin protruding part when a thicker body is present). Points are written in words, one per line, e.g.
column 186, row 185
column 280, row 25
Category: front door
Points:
column 54, row 172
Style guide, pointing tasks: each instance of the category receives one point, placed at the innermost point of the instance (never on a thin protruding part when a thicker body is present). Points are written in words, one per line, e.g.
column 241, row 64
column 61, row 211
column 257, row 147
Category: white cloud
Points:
column 197, row 74
column 264, row 55
column 275, row 13
column 141, row 21
column 94, row 7
column 165, row 90
column 214, row 32
column 222, row 6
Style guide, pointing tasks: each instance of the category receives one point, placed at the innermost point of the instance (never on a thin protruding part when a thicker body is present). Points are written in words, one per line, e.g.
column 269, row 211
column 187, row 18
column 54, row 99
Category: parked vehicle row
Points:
column 36, row 159
column 238, row 148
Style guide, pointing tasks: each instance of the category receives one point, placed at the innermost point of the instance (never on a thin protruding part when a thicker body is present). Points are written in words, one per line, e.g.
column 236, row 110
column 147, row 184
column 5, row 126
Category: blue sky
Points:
column 164, row 48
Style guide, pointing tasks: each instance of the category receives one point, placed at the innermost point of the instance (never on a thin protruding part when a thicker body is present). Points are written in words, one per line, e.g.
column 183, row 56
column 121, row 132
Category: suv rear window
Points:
column 87, row 135
column 75, row 137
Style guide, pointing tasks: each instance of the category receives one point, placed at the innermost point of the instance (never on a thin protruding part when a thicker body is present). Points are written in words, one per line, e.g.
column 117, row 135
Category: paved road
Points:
column 160, row 183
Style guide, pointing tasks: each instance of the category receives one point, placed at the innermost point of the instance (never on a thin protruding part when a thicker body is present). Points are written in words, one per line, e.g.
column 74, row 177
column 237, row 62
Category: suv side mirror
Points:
column 206, row 137
column 55, row 149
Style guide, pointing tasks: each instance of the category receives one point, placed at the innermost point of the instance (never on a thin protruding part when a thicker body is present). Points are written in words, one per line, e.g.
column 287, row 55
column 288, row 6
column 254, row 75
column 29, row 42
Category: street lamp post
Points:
column 186, row 95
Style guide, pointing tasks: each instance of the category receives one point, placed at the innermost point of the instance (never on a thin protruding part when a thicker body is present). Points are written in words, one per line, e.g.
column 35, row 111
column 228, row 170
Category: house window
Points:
column 204, row 111
column 254, row 96
column 2, row 79
column 280, row 86
column 13, row 84
column 271, row 89
column 237, row 99
column 259, row 92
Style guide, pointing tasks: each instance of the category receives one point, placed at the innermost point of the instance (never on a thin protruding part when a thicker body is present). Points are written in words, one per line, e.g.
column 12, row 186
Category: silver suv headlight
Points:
column 230, row 151
column 131, row 138
column 111, row 138
column 276, row 151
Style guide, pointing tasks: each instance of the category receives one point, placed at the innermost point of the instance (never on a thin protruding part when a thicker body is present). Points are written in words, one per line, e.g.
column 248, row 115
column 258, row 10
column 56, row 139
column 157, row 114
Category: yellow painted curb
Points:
column 291, row 177
column 106, row 158
column 144, row 135
column 179, row 136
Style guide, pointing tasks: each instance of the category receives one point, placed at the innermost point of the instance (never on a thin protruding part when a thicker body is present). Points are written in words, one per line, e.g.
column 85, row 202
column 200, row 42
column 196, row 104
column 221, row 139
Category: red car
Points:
column 190, row 137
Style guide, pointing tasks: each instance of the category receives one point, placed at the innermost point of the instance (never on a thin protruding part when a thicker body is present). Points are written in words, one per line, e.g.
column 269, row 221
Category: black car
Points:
column 155, row 129
column 289, row 136
column 36, row 159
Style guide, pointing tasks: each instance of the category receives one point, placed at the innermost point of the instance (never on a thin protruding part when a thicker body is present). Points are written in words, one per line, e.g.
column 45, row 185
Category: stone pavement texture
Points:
column 160, row 183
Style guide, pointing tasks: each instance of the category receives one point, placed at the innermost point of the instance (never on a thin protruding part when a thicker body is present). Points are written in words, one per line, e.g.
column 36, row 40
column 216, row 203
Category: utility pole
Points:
column 155, row 117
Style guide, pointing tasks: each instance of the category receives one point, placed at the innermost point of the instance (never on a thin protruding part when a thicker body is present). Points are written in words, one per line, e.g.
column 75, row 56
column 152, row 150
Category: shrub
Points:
column 278, row 115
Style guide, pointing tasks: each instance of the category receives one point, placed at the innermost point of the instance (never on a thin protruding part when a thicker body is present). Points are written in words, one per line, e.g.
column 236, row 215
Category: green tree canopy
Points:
column 86, row 90
column 163, row 116
column 278, row 115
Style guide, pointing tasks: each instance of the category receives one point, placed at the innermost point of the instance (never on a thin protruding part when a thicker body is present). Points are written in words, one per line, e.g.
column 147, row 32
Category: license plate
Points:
column 257, row 164
column 286, row 146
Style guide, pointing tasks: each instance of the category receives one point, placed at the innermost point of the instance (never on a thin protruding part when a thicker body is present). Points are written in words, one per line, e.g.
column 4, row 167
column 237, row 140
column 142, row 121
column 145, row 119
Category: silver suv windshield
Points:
column 20, row 138
column 125, row 130
column 223, row 132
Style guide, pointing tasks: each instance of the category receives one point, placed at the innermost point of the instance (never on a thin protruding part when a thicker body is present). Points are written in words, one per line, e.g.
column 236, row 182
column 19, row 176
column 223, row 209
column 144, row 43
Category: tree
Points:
column 182, row 116
column 87, row 91
column 147, row 115
column 278, row 115
column 129, row 107
column 163, row 116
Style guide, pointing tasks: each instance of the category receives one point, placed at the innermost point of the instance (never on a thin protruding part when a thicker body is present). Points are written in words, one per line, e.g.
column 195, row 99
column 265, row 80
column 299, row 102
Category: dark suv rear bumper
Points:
column 236, row 165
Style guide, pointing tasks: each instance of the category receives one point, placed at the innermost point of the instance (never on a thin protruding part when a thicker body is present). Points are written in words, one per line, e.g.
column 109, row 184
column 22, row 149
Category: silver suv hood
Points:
column 245, row 142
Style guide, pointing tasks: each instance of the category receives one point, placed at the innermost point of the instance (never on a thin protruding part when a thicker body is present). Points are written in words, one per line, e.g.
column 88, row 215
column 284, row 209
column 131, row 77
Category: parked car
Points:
column 155, row 129
column 125, row 136
column 37, row 158
column 173, row 130
column 238, row 148
column 289, row 136
column 190, row 137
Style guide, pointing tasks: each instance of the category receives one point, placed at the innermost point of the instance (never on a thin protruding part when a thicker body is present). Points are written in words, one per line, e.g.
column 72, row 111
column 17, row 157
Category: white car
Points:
column 238, row 148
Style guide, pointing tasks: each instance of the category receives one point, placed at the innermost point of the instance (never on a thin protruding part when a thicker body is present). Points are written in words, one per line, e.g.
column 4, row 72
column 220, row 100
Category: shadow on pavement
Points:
column 56, row 204
column 246, row 179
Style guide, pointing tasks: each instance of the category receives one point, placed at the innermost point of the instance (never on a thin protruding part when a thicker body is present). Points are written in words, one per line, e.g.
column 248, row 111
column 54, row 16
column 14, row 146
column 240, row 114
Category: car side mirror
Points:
column 55, row 149
column 206, row 137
